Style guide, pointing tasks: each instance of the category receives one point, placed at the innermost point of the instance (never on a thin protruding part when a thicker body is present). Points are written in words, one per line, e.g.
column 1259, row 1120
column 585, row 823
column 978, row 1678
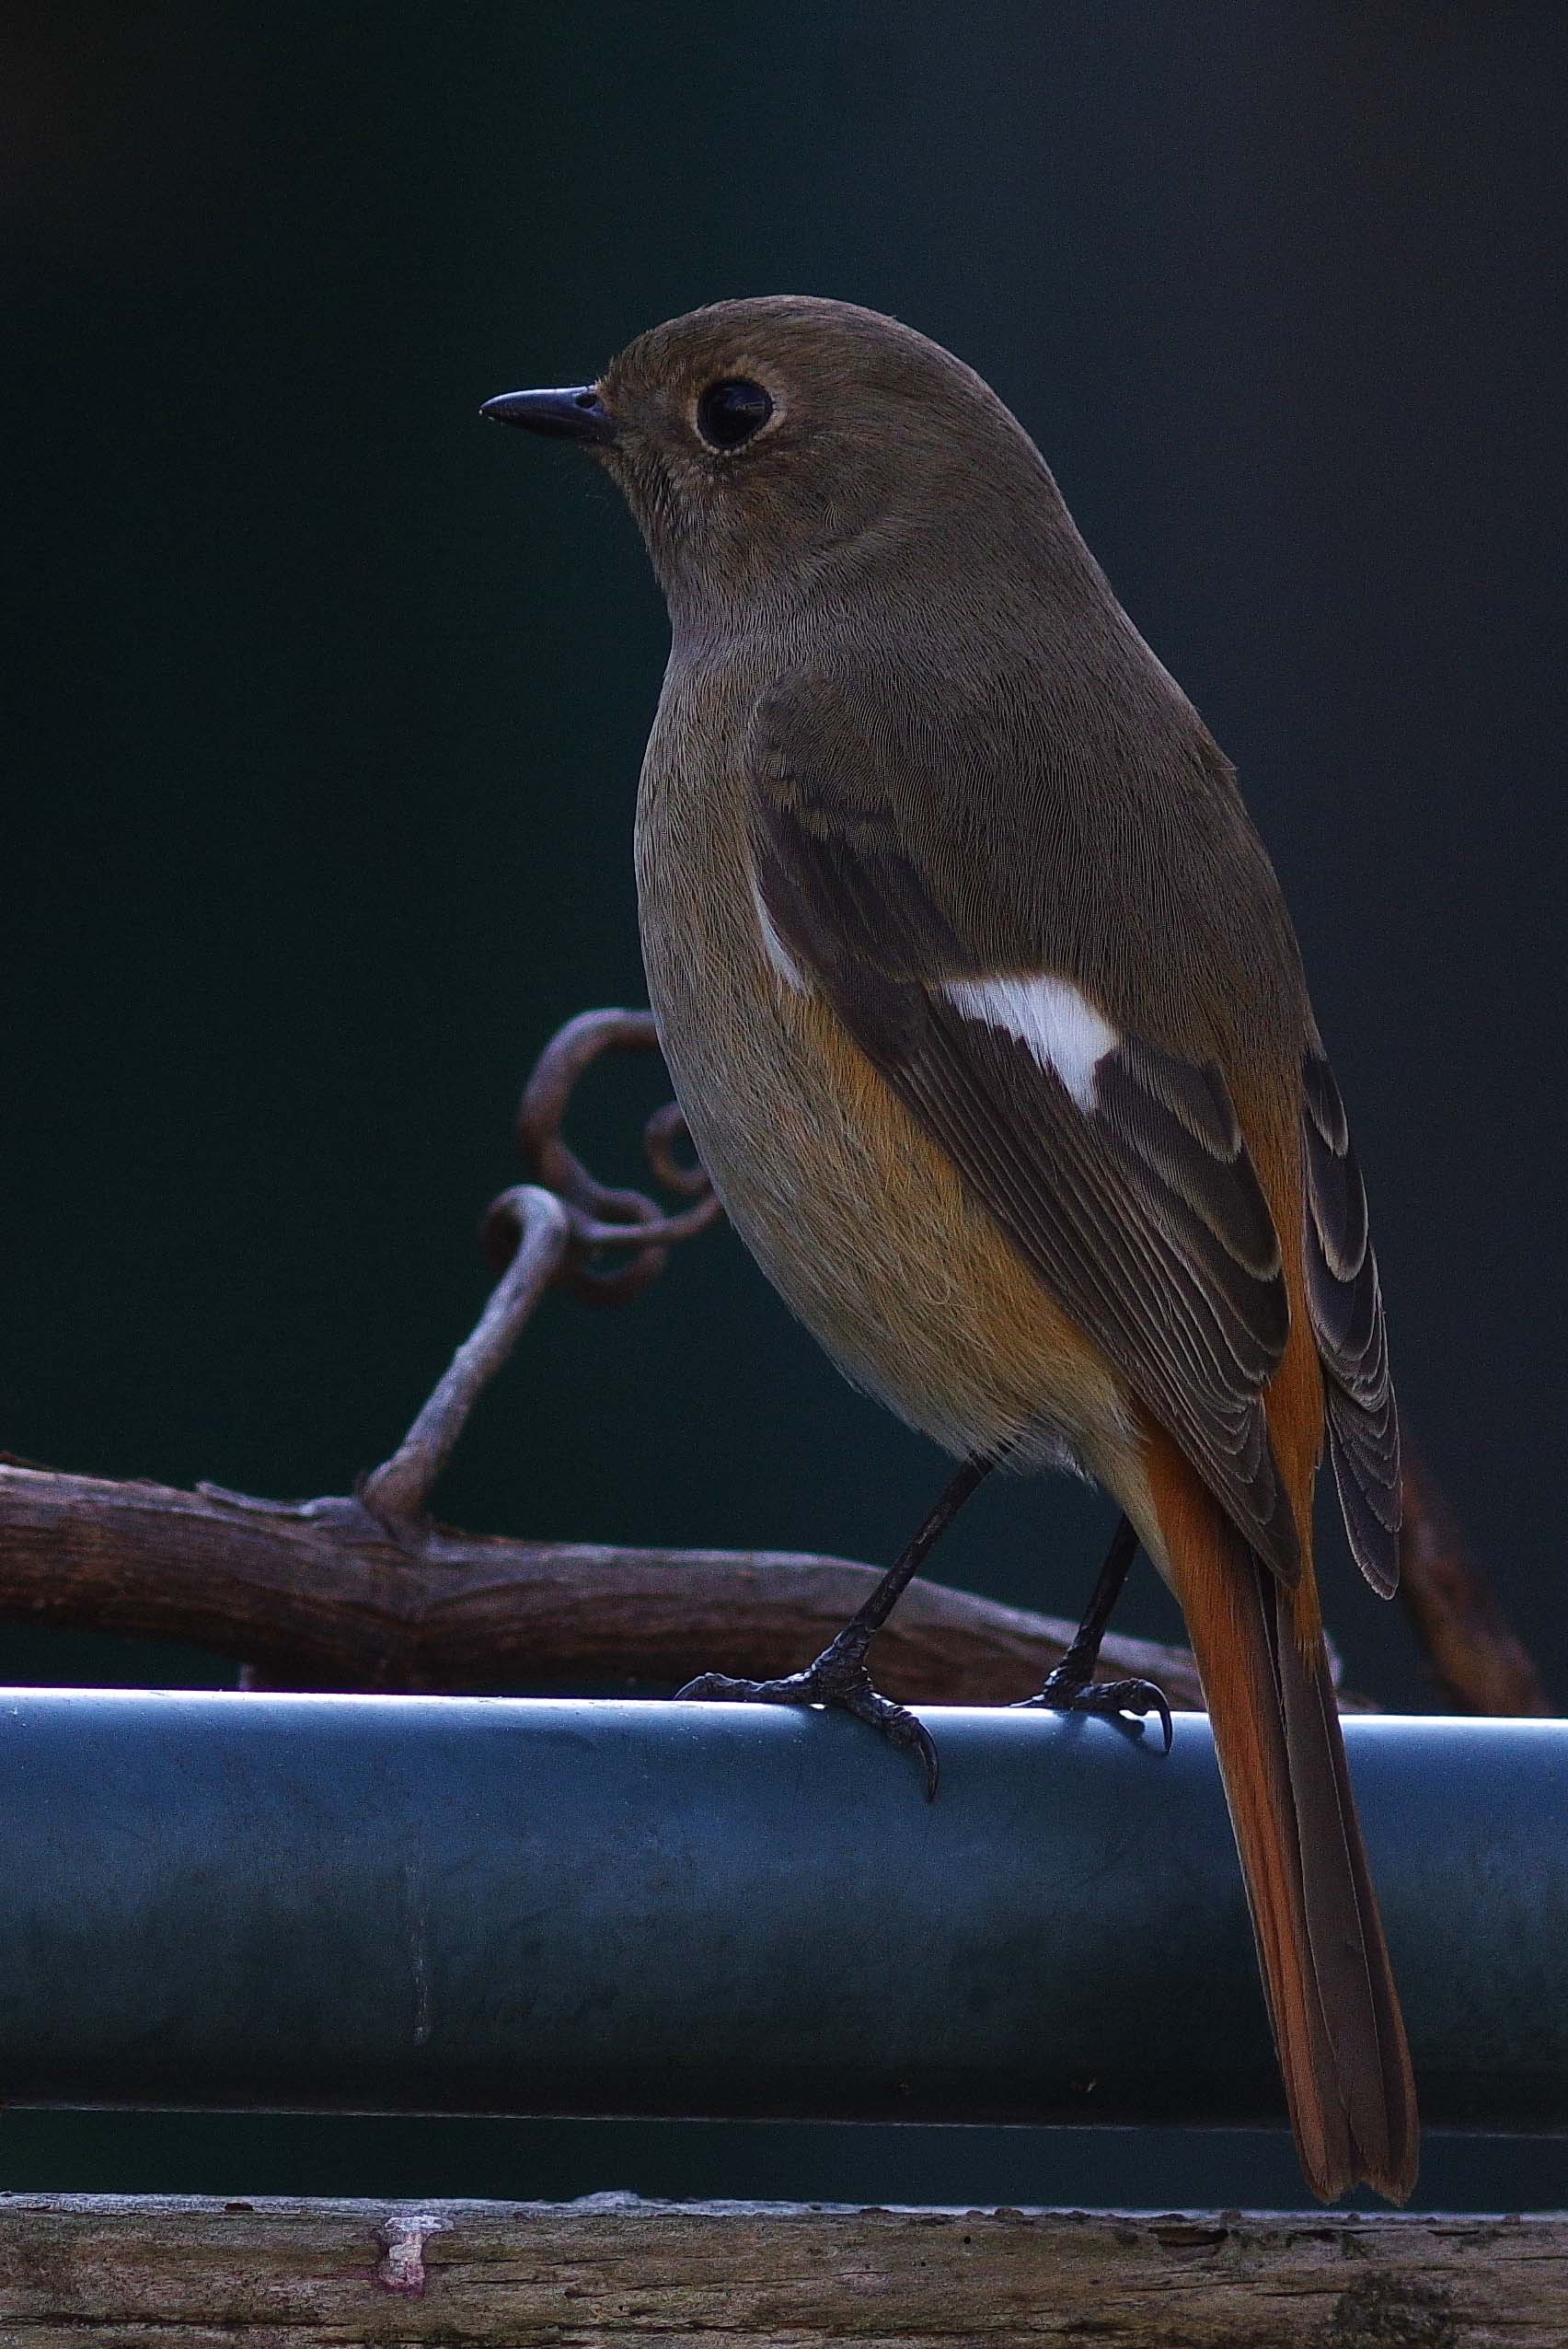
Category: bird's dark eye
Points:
column 728, row 413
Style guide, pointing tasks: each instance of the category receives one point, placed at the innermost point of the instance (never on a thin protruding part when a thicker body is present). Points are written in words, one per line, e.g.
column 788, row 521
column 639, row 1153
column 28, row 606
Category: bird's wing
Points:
column 1117, row 1169
column 1346, row 1306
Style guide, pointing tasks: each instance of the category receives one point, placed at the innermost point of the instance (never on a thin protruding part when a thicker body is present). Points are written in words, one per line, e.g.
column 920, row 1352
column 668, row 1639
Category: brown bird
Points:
column 985, row 1014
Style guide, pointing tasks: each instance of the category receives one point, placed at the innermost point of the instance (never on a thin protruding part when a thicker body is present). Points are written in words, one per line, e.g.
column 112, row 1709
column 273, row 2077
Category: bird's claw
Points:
column 1070, row 1692
column 840, row 1679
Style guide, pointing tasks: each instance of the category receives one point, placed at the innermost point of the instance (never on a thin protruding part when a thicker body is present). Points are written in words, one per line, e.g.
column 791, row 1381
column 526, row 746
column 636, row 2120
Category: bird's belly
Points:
column 862, row 1222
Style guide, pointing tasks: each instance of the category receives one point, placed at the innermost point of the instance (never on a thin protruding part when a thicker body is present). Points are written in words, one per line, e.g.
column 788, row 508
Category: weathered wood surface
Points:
column 614, row 2273
column 1476, row 1658
column 321, row 1594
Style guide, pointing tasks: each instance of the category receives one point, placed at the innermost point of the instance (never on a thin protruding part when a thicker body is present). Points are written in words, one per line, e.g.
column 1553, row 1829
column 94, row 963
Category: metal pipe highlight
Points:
column 455, row 1904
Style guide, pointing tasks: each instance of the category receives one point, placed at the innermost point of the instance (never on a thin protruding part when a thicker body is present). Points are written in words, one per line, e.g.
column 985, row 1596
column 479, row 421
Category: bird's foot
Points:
column 837, row 1678
column 1070, row 1689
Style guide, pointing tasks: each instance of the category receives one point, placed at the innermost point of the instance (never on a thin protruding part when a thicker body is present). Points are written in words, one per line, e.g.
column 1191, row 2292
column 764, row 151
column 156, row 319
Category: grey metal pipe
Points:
column 454, row 1904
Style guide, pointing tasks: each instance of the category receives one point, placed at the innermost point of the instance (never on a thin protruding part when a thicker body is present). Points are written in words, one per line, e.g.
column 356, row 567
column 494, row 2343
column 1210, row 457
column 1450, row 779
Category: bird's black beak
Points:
column 577, row 413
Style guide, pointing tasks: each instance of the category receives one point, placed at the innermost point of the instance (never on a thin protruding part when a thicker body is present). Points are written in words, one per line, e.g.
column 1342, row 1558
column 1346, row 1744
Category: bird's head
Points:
column 771, row 449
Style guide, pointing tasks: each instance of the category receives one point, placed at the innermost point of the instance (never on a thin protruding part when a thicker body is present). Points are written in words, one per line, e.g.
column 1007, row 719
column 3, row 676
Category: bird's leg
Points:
column 1070, row 1686
column 839, row 1677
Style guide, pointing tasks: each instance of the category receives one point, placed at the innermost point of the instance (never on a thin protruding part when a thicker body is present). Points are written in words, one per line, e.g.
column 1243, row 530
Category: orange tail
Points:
column 1325, row 1965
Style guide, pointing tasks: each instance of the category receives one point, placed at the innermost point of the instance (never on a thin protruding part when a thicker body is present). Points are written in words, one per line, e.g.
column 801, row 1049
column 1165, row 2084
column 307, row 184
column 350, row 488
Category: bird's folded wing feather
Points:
column 1346, row 1306
column 1117, row 1169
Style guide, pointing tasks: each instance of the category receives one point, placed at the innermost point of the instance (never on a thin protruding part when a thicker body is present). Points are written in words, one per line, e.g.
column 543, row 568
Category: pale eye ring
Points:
column 732, row 411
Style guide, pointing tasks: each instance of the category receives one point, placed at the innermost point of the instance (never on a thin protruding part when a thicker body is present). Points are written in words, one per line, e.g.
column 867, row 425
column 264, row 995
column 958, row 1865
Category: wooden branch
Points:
column 322, row 1594
column 614, row 2273
column 1476, row 1660
column 399, row 1490
column 365, row 1591
column 368, row 1592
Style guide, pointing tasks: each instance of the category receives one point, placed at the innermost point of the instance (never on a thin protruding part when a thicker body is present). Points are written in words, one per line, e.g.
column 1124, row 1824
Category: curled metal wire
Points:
column 603, row 1217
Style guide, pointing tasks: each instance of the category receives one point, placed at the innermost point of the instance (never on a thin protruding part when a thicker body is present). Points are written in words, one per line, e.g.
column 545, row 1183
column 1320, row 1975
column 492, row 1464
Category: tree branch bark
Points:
column 367, row 1592
column 1475, row 1656
column 323, row 1594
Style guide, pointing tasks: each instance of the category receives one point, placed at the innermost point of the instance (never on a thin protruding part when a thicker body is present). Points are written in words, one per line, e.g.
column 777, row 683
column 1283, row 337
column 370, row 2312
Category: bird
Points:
column 986, row 1016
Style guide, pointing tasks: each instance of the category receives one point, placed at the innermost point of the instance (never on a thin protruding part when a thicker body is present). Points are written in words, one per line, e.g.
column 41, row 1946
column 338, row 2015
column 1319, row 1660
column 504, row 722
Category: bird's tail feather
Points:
column 1325, row 1964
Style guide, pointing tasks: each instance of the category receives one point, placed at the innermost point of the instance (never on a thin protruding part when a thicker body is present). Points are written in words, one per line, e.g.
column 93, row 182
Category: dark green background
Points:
column 328, row 704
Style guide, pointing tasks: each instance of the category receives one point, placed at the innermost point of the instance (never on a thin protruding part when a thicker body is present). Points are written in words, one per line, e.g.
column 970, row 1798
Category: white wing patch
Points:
column 1060, row 1027
column 773, row 946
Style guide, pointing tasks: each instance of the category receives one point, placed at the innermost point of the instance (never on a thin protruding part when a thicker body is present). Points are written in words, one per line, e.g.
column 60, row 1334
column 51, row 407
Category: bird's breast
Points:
column 854, row 1214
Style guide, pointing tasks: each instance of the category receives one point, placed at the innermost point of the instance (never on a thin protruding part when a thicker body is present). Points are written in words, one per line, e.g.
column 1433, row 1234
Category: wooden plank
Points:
column 614, row 2273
